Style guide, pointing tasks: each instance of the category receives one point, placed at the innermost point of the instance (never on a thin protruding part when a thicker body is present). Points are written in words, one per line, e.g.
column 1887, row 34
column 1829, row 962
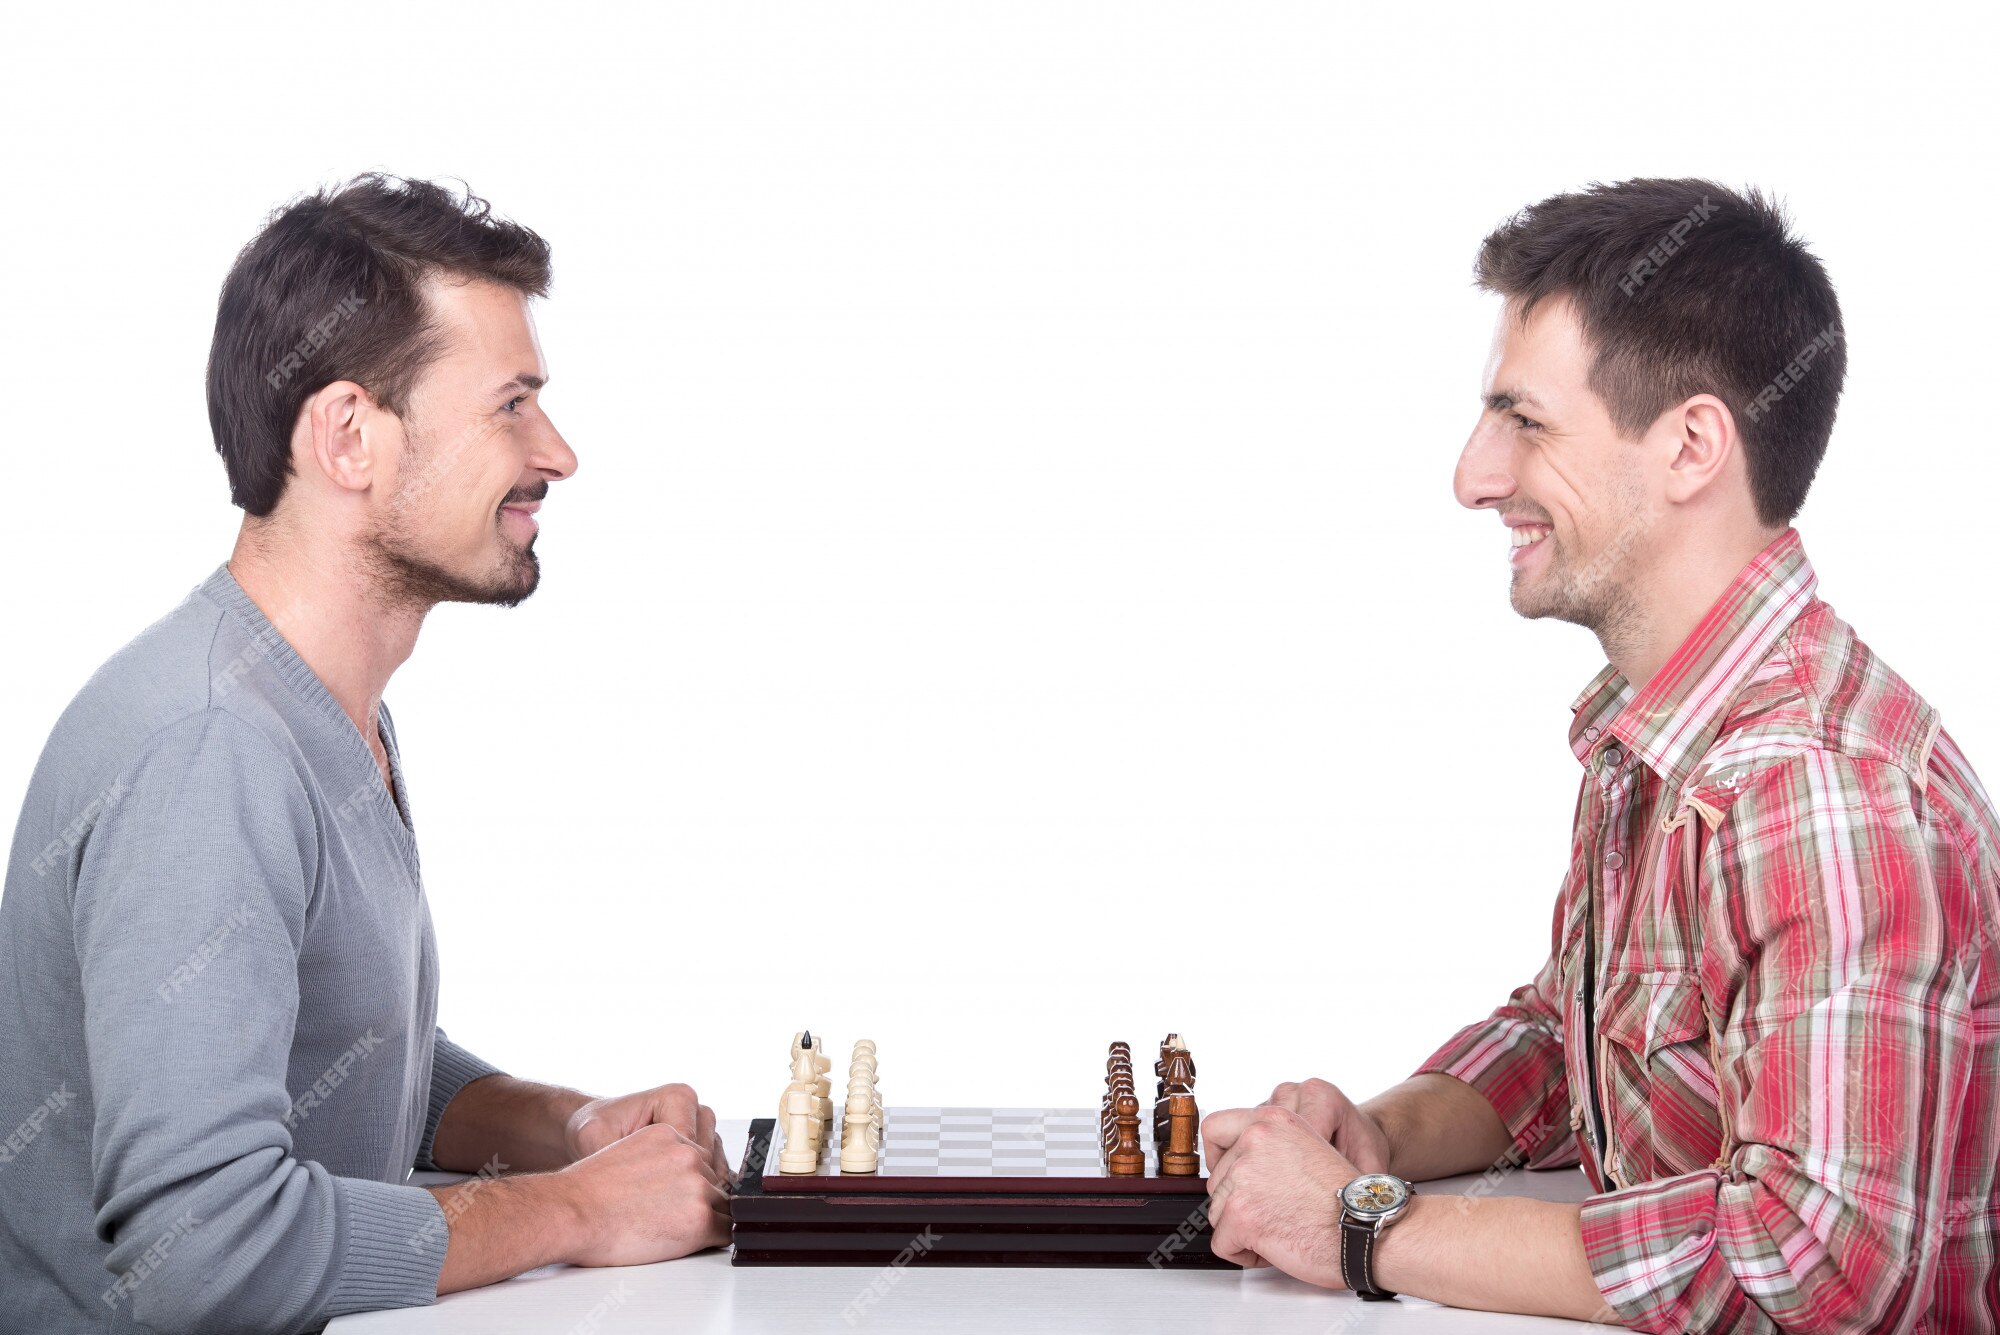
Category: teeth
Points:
column 1529, row 533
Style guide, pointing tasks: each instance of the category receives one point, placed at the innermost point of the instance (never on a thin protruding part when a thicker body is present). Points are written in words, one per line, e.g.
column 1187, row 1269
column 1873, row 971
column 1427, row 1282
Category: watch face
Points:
column 1374, row 1194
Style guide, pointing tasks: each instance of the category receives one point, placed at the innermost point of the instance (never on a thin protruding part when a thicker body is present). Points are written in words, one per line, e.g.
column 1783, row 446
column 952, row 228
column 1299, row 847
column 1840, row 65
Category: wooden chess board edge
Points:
column 1089, row 1228
column 1189, row 1259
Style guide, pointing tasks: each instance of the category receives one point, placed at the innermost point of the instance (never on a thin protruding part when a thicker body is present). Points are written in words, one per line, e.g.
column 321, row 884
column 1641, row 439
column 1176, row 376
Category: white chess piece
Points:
column 859, row 1133
column 807, row 1074
column 799, row 1112
column 801, row 1152
column 809, row 1067
column 822, row 1091
column 863, row 1084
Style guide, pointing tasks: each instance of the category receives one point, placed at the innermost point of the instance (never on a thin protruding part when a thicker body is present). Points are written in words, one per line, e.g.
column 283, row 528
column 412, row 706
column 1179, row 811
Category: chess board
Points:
column 969, row 1186
column 986, row 1149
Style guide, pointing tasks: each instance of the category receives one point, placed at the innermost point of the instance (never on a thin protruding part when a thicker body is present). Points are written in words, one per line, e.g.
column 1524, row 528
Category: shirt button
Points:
column 1614, row 859
column 1613, row 757
column 1590, row 734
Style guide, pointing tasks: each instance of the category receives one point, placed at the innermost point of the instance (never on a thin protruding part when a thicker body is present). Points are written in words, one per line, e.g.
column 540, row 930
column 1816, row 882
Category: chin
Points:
column 1528, row 608
column 519, row 577
column 505, row 582
column 512, row 592
column 1535, row 603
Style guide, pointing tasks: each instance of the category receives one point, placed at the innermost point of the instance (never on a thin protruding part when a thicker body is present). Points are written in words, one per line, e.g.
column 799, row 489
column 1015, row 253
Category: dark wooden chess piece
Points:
column 1124, row 1156
column 1176, row 1119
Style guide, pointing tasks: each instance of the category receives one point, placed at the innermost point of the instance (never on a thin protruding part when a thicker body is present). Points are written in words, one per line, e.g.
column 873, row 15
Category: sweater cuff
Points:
column 452, row 1069
column 389, row 1246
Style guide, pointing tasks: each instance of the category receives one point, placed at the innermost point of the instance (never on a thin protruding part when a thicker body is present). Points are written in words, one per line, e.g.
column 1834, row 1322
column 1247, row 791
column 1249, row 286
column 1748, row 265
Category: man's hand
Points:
column 635, row 1179
column 1335, row 1118
column 651, row 1194
column 600, row 1122
column 1274, row 1191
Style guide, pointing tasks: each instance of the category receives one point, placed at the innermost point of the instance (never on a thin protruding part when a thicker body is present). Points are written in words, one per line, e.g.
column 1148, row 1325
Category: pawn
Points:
column 1123, row 1154
column 859, row 1133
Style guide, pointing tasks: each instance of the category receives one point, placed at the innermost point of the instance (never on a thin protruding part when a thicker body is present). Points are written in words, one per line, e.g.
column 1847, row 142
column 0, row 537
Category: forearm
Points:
column 519, row 1122
column 1496, row 1253
column 1438, row 1126
column 503, row 1226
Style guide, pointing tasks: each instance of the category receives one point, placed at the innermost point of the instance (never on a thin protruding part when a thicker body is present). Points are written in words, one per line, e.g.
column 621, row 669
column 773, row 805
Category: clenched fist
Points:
column 1336, row 1119
column 1274, row 1192
column 649, row 1177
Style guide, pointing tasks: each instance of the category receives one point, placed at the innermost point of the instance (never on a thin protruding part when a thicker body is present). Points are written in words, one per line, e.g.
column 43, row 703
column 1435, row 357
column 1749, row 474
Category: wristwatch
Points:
column 1368, row 1204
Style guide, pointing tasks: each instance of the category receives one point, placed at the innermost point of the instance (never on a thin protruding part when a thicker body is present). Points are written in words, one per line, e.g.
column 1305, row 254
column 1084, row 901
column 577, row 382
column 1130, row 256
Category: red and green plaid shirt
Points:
column 1791, row 873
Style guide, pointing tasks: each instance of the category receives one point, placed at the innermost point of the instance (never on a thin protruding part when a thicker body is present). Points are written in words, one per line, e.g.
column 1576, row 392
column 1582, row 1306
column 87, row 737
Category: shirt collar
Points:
column 1671, row 721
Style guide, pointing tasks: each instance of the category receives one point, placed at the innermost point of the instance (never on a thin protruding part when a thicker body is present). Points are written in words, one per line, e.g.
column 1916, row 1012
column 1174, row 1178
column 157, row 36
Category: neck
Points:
column 319, row 597
column 1672, row 593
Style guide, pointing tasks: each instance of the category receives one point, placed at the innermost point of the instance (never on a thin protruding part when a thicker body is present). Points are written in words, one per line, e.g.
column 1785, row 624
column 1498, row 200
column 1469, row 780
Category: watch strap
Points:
column 1357, row 1258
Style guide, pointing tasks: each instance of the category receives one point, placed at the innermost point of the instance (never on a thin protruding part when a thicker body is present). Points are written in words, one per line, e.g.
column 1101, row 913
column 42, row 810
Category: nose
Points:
column 552, row 456
column 1483, row 478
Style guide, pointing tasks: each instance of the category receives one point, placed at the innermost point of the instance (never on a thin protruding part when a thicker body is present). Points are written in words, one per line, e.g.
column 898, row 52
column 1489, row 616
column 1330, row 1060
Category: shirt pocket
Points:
column 1658, row 1075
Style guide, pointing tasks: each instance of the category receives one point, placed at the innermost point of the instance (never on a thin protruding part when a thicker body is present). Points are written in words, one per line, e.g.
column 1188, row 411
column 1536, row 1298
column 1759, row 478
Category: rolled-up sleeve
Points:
column 1514, row 1057
column 213, row 1223
column 452, row 1069
column 1843, row 942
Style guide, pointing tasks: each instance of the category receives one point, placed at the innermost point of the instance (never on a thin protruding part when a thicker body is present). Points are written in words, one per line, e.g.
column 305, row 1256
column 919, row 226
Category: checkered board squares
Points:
column 924, row 1147
column 989, row 1142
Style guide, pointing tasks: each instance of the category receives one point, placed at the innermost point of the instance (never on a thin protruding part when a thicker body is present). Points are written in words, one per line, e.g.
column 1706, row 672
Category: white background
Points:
column 1012, row 596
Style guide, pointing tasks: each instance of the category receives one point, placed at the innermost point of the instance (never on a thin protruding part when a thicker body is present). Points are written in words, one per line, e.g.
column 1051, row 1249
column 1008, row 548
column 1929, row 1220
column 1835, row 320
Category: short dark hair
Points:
column 1685, row 287
column 331, row 289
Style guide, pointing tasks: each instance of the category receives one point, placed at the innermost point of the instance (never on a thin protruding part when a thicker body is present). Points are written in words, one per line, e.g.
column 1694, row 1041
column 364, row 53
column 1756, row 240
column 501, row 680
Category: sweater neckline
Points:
column 267, row 642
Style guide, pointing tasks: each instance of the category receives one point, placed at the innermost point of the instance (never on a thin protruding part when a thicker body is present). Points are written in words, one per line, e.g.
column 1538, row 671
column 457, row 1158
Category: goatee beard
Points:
column 409, row 581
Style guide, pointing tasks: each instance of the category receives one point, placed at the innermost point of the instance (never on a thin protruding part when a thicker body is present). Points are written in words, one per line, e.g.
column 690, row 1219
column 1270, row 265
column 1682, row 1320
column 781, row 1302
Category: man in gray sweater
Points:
column 218, row 982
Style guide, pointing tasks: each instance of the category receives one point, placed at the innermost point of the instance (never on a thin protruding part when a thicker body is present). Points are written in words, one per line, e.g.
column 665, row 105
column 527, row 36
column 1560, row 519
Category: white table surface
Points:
column 705, row 1293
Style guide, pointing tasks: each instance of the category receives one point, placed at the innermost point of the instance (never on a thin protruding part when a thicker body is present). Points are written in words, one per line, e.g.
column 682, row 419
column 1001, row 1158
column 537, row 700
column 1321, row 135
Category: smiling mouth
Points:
column 1527, row 535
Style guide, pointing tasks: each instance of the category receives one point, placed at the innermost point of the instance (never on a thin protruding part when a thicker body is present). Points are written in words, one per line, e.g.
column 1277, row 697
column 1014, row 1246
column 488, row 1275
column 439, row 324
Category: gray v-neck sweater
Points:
column 218, row 995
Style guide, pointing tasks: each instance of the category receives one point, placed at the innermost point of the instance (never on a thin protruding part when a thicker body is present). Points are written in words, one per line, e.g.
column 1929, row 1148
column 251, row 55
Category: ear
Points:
column 1704, row 444
column 340, row 420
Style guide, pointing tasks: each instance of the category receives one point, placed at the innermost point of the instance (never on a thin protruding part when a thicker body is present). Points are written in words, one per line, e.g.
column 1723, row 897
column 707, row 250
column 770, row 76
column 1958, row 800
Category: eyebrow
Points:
column 522, row 381
column 1501, row 400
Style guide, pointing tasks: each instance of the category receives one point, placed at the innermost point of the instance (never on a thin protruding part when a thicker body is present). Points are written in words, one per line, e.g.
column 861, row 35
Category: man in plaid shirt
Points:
column 1767, row 1027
